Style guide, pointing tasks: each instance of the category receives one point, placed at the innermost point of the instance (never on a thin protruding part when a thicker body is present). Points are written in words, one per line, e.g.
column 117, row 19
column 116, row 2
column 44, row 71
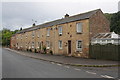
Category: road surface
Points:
column 18, row 66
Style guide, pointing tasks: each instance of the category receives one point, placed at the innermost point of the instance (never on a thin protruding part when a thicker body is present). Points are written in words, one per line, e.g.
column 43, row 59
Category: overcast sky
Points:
column 20, row 14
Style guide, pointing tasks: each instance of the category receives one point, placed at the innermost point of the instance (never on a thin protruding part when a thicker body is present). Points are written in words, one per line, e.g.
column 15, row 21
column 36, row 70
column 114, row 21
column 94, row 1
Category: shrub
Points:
column 51, row 52
column 44, row 49
column 30, row 50
column 27, row 49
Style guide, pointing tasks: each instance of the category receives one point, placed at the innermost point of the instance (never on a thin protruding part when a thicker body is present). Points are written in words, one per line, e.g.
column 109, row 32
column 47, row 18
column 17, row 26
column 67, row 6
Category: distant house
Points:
column 106, row 38
column 70, row 35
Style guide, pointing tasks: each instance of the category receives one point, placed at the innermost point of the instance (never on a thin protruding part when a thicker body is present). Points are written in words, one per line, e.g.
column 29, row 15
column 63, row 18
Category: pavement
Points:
column 72, row 61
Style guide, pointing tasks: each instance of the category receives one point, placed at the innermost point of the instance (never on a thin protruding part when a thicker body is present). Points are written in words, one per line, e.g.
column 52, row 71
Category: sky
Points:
column 23, row 13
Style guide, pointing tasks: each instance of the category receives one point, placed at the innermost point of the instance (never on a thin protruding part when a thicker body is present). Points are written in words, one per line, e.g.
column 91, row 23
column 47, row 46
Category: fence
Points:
column 107, row 52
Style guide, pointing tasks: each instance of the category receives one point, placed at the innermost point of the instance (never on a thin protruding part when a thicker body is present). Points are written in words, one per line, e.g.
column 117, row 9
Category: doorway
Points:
column 69, row 46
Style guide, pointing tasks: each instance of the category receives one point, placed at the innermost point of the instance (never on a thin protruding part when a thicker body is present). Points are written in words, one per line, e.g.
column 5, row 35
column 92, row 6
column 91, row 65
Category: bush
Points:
column 30, row 50
column 44, row 49
column 27, row 50
column 51, row 52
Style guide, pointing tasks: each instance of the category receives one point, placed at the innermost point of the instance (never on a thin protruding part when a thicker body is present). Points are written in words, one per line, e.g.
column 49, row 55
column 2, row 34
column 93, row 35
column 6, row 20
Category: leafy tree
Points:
column 114, row 21
column 5, row 36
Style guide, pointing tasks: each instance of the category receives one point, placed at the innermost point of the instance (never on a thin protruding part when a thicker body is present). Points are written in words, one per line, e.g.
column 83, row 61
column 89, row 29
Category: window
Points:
column 108, row 41
column 103, row 41
column 38, row 44
column 48, row 44
column 21, row 37
column 48, row 32
column 26, row 35
column 79, row 27
column 32, row 44
column 60, row 44
column 26, row 45
column 33, row 34
column 79, row 45
column 116, row 41
column 60, row 30
column 38, row 34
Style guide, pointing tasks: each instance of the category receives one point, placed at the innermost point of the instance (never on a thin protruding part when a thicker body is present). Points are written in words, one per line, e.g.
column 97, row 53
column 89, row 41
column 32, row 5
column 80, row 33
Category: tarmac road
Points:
column 18, row 66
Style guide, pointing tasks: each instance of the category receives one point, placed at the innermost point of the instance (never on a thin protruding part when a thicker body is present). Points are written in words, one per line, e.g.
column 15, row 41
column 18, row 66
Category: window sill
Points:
column 79, row 32
column 60, row 48
column 78, row 50
column 48, row 48
column 48, row 36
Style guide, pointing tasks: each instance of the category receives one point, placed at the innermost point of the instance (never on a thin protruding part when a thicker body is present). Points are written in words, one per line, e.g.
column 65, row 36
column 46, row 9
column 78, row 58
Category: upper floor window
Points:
column 33, row 34
column 38, row 34
column 60, row 30
column 60, row 44
column 21, row 36
column 79, row 27
column 48, row 32
column 26, row 35
column 79, row 45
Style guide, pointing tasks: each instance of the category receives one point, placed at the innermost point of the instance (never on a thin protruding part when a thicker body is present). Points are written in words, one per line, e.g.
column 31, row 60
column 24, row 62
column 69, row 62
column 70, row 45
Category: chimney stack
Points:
column 66, row 16
column 33, row 24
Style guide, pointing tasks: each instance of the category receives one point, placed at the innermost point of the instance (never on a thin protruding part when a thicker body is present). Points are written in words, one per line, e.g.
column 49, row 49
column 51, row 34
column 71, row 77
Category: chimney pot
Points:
column 66, row 15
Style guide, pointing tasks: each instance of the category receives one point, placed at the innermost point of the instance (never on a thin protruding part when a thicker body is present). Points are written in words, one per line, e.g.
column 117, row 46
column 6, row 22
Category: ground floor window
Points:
column 48, row 44
column 60, row 44
column 38, row 44
column 79, row 45
column 32, row 44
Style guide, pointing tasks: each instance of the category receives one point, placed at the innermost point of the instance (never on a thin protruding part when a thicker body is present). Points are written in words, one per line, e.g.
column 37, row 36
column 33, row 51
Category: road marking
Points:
column 52, row 62
column 90, row 72
column 59, row 64
column 106, row 76
column 67, row 66
column 77, row 69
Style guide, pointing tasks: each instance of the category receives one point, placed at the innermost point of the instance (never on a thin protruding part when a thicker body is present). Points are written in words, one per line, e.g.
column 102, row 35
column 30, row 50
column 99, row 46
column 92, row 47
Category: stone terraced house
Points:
column 69, row 36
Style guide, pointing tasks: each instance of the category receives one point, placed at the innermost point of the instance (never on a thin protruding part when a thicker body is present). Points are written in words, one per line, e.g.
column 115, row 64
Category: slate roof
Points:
column 82, row 16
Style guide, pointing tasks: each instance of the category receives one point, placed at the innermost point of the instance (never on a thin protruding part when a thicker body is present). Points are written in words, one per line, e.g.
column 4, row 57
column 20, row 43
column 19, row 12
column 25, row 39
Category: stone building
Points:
column 70, row 35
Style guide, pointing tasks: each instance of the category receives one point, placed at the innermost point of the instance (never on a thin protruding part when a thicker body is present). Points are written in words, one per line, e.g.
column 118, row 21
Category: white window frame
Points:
column 26, row 45
column 26, row 36
column 78, row 49
column 79, row 27
column 60, row 30
column 48, row 44
column 38, row 44
column 108, row 41
column 33, row 44
column 38, row 34
column 48, row 32
column 33, row 34
column 21, row 37
column 60, row 44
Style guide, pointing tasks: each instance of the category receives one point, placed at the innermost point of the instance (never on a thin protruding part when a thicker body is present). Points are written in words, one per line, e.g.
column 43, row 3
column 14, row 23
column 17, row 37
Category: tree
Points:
column 114, row 21
column 5, row 36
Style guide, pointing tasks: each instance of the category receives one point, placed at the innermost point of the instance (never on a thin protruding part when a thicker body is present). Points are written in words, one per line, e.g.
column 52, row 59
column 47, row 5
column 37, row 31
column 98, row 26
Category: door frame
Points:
column 69, row 49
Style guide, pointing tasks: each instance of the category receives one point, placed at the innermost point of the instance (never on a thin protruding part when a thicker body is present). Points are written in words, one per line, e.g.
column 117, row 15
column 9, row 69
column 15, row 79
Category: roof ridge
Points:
column 80, row 16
